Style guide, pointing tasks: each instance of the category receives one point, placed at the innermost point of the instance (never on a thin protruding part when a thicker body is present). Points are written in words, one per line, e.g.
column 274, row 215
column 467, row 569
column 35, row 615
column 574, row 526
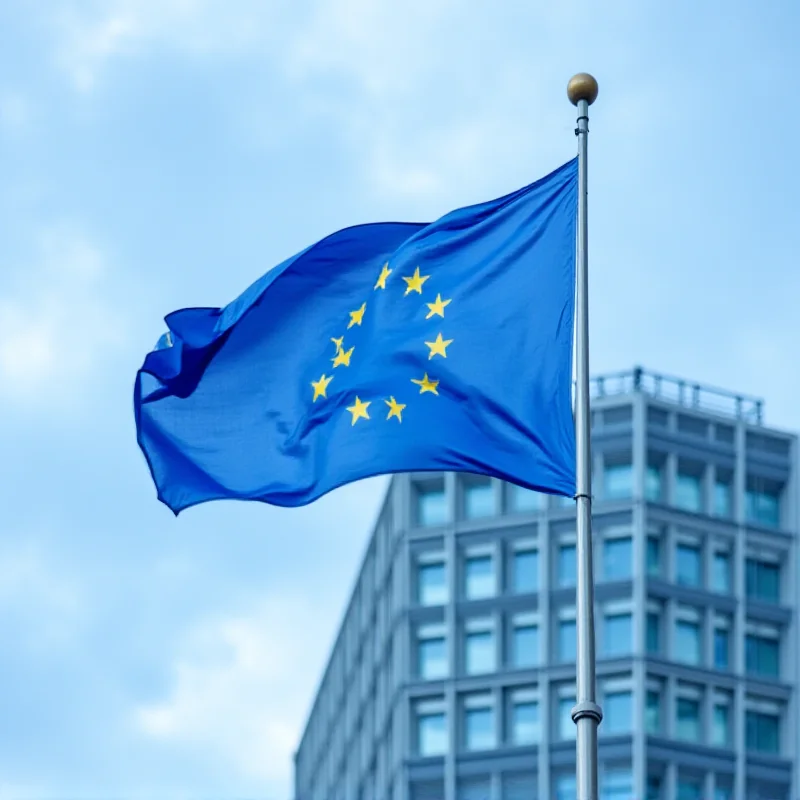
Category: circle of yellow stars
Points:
column 438, row 347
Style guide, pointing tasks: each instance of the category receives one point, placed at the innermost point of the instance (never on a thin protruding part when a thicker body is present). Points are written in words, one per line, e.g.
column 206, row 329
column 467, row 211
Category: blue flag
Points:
column 383, row 348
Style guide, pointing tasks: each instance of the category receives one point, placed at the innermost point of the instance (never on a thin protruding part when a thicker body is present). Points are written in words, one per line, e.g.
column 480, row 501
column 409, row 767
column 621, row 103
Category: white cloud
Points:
column 242, row 687
column 55, row 318
column 91, row 35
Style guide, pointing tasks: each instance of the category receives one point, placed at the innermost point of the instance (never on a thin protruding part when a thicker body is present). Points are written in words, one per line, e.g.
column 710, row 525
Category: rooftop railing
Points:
column 679, row 391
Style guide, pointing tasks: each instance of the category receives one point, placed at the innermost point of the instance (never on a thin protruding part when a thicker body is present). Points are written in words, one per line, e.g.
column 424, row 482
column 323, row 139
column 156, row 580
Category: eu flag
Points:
column 383, row 348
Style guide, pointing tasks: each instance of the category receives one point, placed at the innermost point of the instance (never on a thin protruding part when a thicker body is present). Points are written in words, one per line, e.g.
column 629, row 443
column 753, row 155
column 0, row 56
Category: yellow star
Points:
column 426, row 385
column 385, row 273
column 414, row 283
column 320, row 387
column 359, row 410
column 356, row 316
column 338, row 342
column 437, row 307
column 343, row 357
column 438, row 347
column 395, row 409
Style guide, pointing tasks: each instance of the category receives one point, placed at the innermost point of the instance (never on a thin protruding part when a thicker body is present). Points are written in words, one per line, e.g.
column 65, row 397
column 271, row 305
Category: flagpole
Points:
column 582, row 92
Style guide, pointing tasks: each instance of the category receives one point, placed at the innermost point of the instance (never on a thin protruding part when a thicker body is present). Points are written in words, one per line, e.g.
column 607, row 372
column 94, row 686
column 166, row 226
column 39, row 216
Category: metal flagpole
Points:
column 582, row 92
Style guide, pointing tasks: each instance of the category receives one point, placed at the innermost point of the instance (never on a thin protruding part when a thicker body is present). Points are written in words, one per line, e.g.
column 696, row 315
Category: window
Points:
column 617, row 635
column 479, row 648
column 722, row 648
column 653, row 632
column 720, row 727
column 762, row 503
column 566, row 727
column 652, row 711
column 721, row 573
column 616, row 784
column 432, row 652
column 689, row 488
column 526, row 571
column 525, row 642
column 479, row 727
column 521, row 500
column 723, row 495
column 567, row 643
column 479, row 577
column 617, row 713
column 687, row 722
column 689, row 789
column 763, row 581
column 687, row 565
column 478, row 499
column 653, row 490
column 477, row 788
column 525, row 723
column 431, row 728
column 431, row 583
column 762, row 732
column 617, row 559
column 424, row 790
column 653, row 787
column 687, row 642
column 653, row 557
column 515, row 786
column 431, row 506
column 762, row 655
column 617, row 477
column 565, row 787
column 566, row 565
column 723, row 793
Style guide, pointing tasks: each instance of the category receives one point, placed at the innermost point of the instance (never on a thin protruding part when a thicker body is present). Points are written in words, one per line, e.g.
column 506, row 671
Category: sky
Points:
column 159, row 154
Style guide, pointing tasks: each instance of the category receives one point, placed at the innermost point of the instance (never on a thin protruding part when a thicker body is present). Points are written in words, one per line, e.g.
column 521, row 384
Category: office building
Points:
column 453, row 674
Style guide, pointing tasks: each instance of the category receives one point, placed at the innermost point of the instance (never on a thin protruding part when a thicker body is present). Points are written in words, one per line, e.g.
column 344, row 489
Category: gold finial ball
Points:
column 582, row 87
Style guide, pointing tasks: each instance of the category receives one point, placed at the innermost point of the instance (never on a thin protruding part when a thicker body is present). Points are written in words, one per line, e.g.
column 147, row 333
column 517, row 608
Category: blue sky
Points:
column 157, row 154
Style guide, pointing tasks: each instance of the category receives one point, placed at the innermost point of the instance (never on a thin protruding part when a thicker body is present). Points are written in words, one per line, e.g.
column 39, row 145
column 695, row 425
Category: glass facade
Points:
column 687, row 720
column 762, row 656
column 479, row 727
column 432, row 651
column 762, row 507
column 687, row 642
column 618, row 635
column 431, row 507
column 480, row 652
column 688, row 567
column 618, row 481
column 566, row 565
column 688, row 492
column 522, row 500
column 453, row 672
column 479, row 577
column 762, row 732
column 617, row 713
column 479, row 500
column 525, row 644
column 526, row 571
column 763, row 581
column 432, row 736
column 722, row 649
column 431, row 584
column 721, row 574
column 618, row 559
column 525, row 723
column 566, row 640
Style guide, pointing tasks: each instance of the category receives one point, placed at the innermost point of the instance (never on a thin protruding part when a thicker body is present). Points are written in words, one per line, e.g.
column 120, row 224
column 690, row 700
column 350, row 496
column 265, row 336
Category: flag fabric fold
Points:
column 388, row 347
